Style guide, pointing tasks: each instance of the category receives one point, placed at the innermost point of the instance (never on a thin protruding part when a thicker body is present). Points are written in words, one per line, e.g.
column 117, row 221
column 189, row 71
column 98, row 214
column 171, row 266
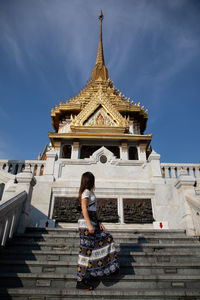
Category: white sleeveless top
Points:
column 91, row 199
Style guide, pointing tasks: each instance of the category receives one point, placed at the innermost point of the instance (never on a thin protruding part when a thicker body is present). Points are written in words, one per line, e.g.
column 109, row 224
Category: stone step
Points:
column 43, row 255
column 126, row 238
column 144, row 232
column 126, row 267
column 122, row 247
column 125, row 282
column 55, row 294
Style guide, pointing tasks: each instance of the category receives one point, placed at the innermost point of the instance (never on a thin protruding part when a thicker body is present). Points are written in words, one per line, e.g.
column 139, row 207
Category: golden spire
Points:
column 100, row 56
column 100, row 72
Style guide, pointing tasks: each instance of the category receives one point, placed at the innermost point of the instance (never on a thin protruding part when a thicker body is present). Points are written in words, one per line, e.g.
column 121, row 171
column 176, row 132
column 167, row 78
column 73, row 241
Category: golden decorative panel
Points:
column 107, row 115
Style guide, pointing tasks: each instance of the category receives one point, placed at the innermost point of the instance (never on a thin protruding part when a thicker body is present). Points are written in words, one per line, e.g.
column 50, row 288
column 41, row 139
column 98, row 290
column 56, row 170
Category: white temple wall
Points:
column 167, row 205
column 106, row 171
column 175, row 197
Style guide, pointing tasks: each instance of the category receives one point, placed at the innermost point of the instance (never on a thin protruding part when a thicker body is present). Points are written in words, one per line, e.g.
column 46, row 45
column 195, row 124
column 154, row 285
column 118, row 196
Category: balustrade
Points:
column 172, row 171
column 10, row 211
column 15, row 167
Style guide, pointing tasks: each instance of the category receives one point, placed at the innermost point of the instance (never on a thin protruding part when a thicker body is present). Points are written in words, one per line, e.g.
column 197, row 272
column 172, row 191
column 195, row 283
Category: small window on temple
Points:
column 103, row 159
column 133, row 153
column 67, row 149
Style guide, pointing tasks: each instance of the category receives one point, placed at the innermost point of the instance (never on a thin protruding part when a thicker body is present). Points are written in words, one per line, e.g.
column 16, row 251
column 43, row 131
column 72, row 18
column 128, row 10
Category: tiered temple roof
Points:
column 100, row 100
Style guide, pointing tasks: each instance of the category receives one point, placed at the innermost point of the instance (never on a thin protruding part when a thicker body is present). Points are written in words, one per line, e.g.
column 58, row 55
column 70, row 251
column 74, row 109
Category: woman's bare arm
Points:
column 84, row 203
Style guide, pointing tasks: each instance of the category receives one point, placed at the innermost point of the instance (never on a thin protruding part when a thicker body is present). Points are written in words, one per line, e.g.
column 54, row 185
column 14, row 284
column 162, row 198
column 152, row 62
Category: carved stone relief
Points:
column 137, row 211
column 107, row 209
column 65, row 209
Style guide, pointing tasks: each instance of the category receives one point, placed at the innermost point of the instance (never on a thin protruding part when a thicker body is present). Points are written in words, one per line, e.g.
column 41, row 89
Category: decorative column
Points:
column 75, row 150
column 25, row 181
column 124, row 151
column 154, row 160
column 50, row 163
column 142, row 152
column 185, row 185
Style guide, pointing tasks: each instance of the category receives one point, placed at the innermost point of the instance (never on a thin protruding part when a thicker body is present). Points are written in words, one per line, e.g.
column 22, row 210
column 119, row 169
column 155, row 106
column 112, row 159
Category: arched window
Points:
column 133, row 153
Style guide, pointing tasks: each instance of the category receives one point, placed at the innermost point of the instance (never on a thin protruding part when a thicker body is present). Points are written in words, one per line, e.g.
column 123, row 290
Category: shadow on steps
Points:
column 125, row 255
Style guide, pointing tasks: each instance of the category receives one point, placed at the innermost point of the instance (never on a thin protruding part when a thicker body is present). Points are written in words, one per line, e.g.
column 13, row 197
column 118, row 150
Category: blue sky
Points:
column 151, row 47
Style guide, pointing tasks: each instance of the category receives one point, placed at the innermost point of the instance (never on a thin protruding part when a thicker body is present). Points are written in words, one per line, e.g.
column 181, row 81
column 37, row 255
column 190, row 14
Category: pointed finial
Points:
column 100, row 71
column 101, row 16
column 100, row 56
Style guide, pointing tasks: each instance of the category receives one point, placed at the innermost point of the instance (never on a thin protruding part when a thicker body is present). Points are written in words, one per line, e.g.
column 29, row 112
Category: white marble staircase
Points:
column 155, row 264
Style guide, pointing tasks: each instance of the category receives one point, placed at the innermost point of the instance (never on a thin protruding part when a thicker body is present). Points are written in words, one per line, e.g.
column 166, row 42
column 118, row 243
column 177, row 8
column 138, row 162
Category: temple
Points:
column 102, row 131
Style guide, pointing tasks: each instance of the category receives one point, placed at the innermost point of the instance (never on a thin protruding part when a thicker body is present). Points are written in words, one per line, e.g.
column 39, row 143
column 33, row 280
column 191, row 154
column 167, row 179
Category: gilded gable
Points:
column 98, row 113
column 99, row 118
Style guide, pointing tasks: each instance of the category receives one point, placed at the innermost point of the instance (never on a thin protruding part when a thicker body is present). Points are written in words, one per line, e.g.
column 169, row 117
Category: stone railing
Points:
column 17, row 166
column 195, row 207
column 173, row 170
column 10, row 212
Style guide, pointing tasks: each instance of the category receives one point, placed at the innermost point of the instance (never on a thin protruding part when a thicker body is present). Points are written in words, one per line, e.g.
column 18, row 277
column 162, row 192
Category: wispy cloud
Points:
column 65, row 33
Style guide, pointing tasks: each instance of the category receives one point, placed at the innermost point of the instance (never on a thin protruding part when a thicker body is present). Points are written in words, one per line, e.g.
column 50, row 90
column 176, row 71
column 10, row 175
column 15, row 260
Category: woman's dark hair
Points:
column 87, row 182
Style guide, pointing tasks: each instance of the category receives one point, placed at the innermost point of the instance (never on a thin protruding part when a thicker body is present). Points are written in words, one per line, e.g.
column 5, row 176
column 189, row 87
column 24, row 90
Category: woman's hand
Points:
column 102, row 227
column 91, row 229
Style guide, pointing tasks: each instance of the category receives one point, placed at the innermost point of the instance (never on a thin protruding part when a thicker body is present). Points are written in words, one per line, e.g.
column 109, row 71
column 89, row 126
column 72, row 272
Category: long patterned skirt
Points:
column 97, row 255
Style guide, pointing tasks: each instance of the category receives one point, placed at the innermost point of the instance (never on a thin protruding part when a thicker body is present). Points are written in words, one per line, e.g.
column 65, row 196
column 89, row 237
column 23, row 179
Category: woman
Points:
column 97, row 255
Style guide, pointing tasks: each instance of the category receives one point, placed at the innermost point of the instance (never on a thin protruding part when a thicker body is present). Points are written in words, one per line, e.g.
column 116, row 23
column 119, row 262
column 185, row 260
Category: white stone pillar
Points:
column 26, row 181
column 6, row 168
column 197, row 172
column 154, row 160
column 124, row 151
column 38, row 170
column 142, row 152
column 49, row 166
column 75, row 150
column 185, row 185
